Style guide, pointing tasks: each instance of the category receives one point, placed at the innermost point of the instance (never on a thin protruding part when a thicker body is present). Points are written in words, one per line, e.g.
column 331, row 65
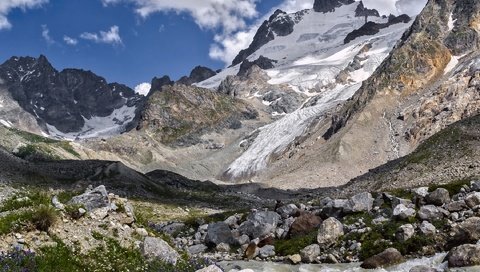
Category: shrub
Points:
column 44, row 217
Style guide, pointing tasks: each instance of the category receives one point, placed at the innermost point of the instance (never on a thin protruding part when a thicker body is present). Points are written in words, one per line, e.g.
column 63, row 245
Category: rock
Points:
column 211, row 268
column 260, row 224
column 295, row 258
column 173, row 228
column 252, row 251
column 390, row 256
column 310, row 253
column 223, row 247
column 456, row 206
column 427, row 229
column 92, row 199
column 429, row 213
column 405, row 232
column 438, row 197
column 325, row 6
column 423, row 268
column 267, row 251
column 305, row 224
column 57, row 204
column 403, row 212
column 420, row 192
column 197, row 249
column 362, row 202
column 464, row 255
column 219, row 232
column 466, row 232
column 473, row 199
column 99, row 213
column 475, row 185
column 232, row 221
column 329, row 232
column 243, row 239
column 157, row 248
column 287, row 210
column 397, row 201
column 142, row 232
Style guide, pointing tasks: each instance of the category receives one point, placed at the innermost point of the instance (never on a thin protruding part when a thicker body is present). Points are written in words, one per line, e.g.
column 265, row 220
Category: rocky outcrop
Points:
column 158, row 83
column 362, row 11
column 329, row 5
column 262, row 62
column 92, row 198
column 280, row 24
column 198, row 74
column 372, row 28
column 154, row 247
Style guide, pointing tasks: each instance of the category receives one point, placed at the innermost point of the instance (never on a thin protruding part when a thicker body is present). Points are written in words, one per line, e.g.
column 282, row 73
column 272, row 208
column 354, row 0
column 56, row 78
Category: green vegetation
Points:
column 19, row 201
column 452, row 187
column 294, row 244
column 40, row 218
column 73, row 210
column 44, row 217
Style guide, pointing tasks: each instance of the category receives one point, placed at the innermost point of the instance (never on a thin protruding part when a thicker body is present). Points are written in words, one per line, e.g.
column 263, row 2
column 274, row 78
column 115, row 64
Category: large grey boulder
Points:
column 287, row 210
column 310, row 253
column 388, row 257
column 267, row 251
column 438, row 197
column 330, row 230
column 426, row 228
column 473, row 199
column 92, row 198
column 218, row 233
column 362, row 202
column 466, row 232
column 403, row 212
column 197, row 249
column 430, row 212
column 154, row 247
column 456, row 206
column 405, row 232
column 259, row 224
column 464, row 255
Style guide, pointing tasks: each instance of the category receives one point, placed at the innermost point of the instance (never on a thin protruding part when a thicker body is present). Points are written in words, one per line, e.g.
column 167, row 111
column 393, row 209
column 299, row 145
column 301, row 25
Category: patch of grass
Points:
column 402, row 193
column 73, row 210
column 68, row 147
column 15, row 221
column 44, row 217
column 193, row 220
column 353, row 218
column 65, row 196
column 293, row 245
column 24, row 200
column 58, row 258
column 452, row 187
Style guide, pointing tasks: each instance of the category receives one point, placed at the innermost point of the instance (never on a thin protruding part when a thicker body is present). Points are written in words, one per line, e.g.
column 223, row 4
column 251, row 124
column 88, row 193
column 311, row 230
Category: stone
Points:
column 397, row 201
column 196, row 249
column 475, row 185
column 223, row 247
column 403, row 212
column 295, row 258
column 154, row 247
column 429, row 213
column 405, row 232
column 219, row 232
column 243, row 239
column 173, row 228
column 464, row 255
column 362, row 202
column 232, row 221
column 251, row 251
column 305, row 224
column 99, row 213
column 57, row 204
column 438, row 197
column 260, row 224
column 426, row 228
column 420, row 192
column 388, row 257
column 473, row 199
column 211, row 268
column 466, row 232
column 92, row 199
column 287, row 210
column 329, row 232
column 456, row 206
column 267, row 251
column 423, row 268
column 310, row 253
column 142, row 232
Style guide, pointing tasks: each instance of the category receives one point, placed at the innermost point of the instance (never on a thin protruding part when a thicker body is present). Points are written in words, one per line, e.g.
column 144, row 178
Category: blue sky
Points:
column 164, row 42
column 131, row 41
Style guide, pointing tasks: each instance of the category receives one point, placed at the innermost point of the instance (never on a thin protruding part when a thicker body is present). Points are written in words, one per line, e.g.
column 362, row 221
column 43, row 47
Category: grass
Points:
column 293, row 245
column 452, row 187
column 19, row 201
column 40, row 218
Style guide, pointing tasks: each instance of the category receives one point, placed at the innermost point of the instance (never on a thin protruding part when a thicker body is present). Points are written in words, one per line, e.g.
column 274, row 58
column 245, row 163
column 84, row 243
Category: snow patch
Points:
column 451, row 22
column 452, row 64
column 6, row 123
column 99, row 126
column 143, row 88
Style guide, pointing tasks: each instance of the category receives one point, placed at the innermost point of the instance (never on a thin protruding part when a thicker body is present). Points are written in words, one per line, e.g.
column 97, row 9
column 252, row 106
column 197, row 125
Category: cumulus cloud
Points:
column 70, row 40
column 7, row 5
column 111, row 36
column 227, row 15
column 397, row 7
column 143, row 88
column 46, row 35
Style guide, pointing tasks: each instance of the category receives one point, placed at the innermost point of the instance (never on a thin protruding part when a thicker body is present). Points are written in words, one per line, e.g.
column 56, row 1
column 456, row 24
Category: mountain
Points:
column 69, row 104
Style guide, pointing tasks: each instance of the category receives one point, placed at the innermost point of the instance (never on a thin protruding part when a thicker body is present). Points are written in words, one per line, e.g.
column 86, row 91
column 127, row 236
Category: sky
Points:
column 131, row 41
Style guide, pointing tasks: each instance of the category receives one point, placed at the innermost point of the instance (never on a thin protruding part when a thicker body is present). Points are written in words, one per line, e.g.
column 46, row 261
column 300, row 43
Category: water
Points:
column 435, row 261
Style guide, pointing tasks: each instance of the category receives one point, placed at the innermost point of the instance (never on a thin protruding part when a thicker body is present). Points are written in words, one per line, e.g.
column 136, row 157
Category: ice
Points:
column 99, row 126
column 452, row 64
column 6, row 123
column 451, row 22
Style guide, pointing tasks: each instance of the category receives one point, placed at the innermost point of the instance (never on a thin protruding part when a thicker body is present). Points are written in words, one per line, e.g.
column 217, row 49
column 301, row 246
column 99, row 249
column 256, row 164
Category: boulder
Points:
column 405, row 232
column 154, row 247
column 473, row 199
column 464, row 255
column 287, row 210
column 92, row 199
column 197, row 249
column 251, row 251
column 430, row 212
column 475, row 185
column 466, row 232
column 438, row 197
column 295, row 258
column 310, row 253
column 329, row 232
column 211, row 268
column 267, row 251
column 260, row 224
column 173, row 228
column 57, row 204
column 403, row 212
column 222, row 247
column 304, row 224
column 218, row 233
column 426, row 228
column 362, row 202
column 390, row 256
column 397, row 201
column 420, row 192
column 456, row 206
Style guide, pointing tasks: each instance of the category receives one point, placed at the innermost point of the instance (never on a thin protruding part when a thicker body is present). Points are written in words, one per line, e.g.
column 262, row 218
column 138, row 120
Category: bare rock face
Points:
column 92, row 198
column 158, row 249
column 198, row 74
column 330, row 5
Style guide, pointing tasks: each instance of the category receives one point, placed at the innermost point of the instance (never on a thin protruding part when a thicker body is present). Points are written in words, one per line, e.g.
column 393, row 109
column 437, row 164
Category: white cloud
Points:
column 69, row 40
column 111, row 36
column 7, row 5
column 46, row 35
column 227, row 15
column 143, row 88
column 396, row 7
